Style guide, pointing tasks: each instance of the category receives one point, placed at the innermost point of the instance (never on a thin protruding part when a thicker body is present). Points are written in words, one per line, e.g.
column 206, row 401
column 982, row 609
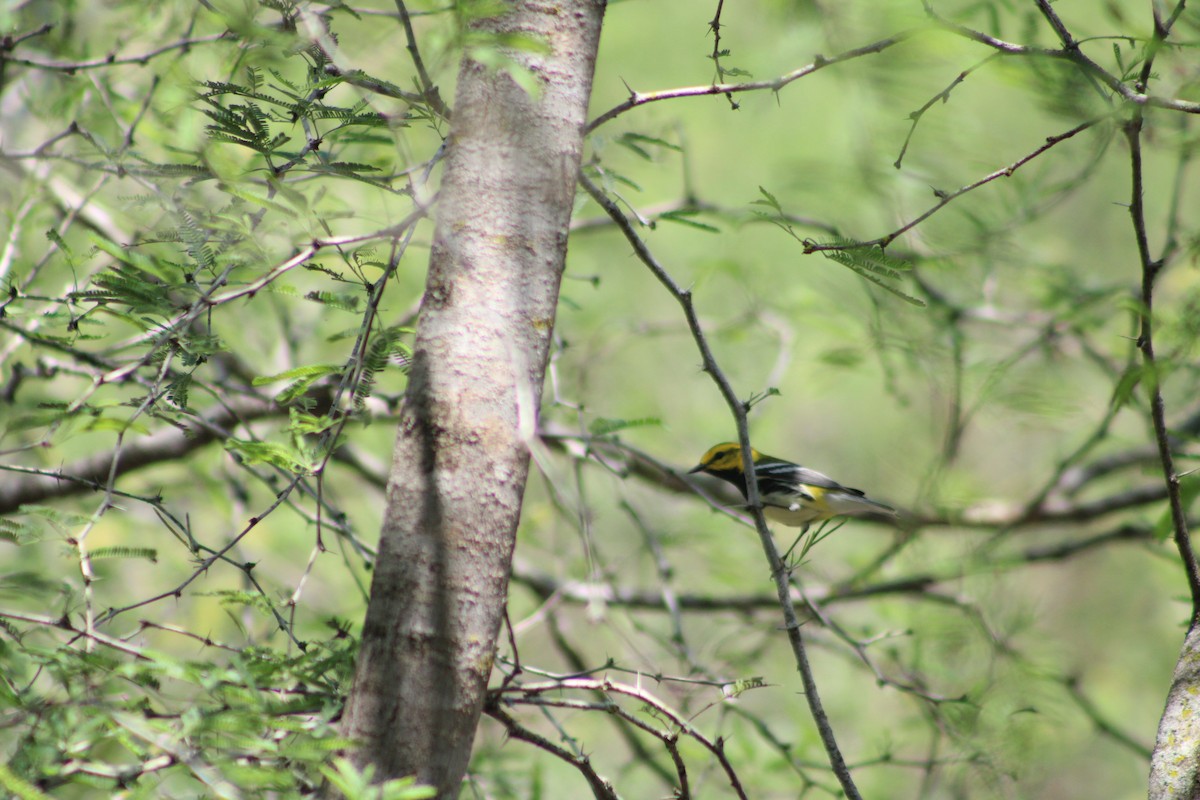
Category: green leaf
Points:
column 177, row 390
column 306, row 424
column 35, row 419
column 1189, row 490
column 55, row 516
column 842, row 356
column 768, row 200
column 743, row 685
column 638, row 138
column 345, row 301
column 309, row 371
column 100, row 553
column 23, row 789
column 385, row 348
column 253, row 198
column 16, row 532
column 874, row 264
column 277, row 455
column 301, row 379
column 492, row 50
column 133, row 258
column 25, row 584
column 102, row 424
column 129, row 288
column 1123, row 391
column 684, row 217
column 735, row 72
column 359, row 785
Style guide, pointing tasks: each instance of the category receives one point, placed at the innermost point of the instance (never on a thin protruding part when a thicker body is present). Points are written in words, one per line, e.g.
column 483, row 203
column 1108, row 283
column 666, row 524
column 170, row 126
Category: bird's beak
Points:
column 696, row 468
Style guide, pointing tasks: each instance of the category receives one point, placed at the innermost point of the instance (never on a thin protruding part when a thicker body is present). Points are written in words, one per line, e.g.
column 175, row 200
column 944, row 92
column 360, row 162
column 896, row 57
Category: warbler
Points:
column 791, row 494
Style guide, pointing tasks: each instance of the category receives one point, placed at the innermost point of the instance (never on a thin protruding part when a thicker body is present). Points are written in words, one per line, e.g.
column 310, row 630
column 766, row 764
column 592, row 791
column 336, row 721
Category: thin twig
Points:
column 1151, row 269
column 774, row 85
column 113, row 59
column 429, row 89
column 739, row 408
column 946, row 198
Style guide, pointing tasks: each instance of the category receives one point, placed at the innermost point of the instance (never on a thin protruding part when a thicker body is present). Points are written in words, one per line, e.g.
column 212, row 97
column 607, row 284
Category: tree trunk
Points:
column 461, row 456
column 1175, row 765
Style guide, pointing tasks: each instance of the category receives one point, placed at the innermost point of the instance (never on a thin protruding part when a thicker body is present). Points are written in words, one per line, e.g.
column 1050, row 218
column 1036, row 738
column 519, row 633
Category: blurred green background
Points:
column 958, row 412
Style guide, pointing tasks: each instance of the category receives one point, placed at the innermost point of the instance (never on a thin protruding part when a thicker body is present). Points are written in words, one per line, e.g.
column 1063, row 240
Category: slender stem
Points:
column 428, row 89
column 1151, row 268
column 779, row 572
column 636, row 99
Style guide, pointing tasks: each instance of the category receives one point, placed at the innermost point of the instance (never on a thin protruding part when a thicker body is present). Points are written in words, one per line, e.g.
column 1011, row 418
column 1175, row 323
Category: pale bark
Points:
column 461, row 457
column 1175, row 765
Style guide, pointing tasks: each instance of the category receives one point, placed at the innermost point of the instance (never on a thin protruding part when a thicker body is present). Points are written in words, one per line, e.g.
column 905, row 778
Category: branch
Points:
column 1151, row 268
column 1060, row 30
column 819, row 62
column 944, row 97
column 944, row 199
column 601, row 788
column 167, row 444
column 1103, row 724
column 112, row 59
column 1072, row 54
column 428, row 89
column 64, row 624
column 531, row 694
column 363, row 81
column 918, row 585
column 779, row 572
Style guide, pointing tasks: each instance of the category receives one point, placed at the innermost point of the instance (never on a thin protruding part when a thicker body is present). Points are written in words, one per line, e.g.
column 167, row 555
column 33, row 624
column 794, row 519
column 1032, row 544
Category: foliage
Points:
column 212, row 252
column 113, row 717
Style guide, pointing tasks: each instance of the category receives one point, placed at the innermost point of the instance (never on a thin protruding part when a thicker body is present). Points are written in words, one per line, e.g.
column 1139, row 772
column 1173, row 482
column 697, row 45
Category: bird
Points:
column 791, row 494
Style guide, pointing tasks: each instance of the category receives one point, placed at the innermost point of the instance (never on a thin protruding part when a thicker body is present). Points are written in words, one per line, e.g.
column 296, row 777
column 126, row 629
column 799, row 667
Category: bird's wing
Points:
column 779, row 477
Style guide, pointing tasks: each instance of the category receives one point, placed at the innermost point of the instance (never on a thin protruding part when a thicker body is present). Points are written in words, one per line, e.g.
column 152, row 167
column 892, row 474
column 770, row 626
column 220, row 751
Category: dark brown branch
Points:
column 164, row 445
column 738, row 408
column 532, row 694
column 1060, row 30
column 429, row 90
column 942, row 96
column 601, row 789
column 1074, row 55
column 366, row 82
column 1102, row 723
column 64, row 624
column 578, row 666
column 945, row 198
column 112, row 59
column 820, row 62
column 1151, row 268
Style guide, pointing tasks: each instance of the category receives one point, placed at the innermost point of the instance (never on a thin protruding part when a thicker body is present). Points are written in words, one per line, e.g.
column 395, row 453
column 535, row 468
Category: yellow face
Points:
column 725, row 456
